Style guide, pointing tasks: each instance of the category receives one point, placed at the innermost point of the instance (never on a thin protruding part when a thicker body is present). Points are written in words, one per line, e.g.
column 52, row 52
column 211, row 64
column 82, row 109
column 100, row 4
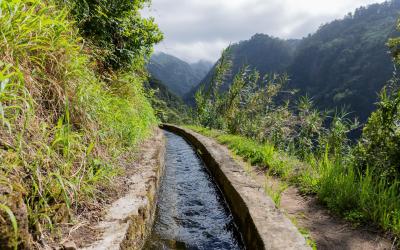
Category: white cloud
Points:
column 194, row 51
column 200, row 29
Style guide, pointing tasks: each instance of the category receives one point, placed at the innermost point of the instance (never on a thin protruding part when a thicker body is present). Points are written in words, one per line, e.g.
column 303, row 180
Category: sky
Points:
column 200, row 29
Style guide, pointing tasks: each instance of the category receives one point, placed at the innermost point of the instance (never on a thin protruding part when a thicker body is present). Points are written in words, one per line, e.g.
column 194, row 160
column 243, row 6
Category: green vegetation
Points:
column 179, row 76
column 359, row 198
column 122, row 38
column 168, row 107
column 63, row 125
column 170, row 79
column 260, row 120
column 344, row 63
column 75, row 101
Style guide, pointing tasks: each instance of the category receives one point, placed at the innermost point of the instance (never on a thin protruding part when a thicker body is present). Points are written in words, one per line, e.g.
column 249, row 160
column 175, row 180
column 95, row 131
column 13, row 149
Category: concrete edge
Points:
column 129, row 219
column 263, row 226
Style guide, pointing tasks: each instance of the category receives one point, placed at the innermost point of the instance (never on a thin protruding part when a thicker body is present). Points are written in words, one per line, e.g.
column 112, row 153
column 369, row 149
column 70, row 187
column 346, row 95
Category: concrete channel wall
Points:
column 262, row 225
column 129, row 220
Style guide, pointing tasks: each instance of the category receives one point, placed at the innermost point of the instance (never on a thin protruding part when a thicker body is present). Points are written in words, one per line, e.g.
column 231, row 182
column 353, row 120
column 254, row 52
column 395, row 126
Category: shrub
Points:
column 122, row 37
column 379, row 147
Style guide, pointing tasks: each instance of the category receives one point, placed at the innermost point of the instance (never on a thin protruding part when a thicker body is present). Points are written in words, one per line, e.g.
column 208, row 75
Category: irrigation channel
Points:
column 191, row 211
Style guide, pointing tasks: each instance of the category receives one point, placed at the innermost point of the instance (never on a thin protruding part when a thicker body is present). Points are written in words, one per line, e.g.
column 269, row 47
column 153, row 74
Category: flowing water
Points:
column 191, row 211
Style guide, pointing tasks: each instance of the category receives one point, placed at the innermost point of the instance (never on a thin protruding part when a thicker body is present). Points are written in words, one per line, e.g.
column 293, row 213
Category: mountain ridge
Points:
column 179, row 76
column 344, row 63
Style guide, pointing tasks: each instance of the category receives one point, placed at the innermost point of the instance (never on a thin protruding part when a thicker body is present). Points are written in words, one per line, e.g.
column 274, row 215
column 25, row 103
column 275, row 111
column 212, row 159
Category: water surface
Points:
column 191, row 212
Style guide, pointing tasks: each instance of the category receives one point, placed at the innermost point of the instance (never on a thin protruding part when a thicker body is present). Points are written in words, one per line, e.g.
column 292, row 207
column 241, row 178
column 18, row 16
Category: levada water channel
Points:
column 191, row 211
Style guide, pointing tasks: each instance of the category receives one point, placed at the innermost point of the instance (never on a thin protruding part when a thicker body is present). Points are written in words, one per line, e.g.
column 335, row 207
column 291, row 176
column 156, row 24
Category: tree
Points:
column 394, row 45
column 117, row 29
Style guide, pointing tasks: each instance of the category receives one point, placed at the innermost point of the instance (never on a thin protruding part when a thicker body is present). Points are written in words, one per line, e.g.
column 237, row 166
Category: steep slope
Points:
column 265, row 53
column 168, row 107
column 179, row 76
column 201, row 68
column 345, row 63
column 65, row 132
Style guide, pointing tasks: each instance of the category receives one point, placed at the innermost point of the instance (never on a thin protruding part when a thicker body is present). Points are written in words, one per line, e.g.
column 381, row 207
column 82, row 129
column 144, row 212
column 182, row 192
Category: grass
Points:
column 62, row 127
column 359, row 198
column 305, row 233
column 274, row 190
column 14, row 224
column 262, row 155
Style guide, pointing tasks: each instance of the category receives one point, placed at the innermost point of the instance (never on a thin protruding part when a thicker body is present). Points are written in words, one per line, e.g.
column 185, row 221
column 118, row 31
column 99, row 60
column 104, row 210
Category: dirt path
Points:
column 327, row 230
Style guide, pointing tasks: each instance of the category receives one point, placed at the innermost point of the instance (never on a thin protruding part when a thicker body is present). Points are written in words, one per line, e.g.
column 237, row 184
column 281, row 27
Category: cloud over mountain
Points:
column 200, row 29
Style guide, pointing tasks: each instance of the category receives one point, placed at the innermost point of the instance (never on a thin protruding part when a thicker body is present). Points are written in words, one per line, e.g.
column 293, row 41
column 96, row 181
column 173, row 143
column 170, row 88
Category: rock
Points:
column 69, row 245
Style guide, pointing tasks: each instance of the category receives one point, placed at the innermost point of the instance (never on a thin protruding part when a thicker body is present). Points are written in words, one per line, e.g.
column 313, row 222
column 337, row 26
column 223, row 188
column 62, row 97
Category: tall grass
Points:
column 62, row 127
column 359, row 197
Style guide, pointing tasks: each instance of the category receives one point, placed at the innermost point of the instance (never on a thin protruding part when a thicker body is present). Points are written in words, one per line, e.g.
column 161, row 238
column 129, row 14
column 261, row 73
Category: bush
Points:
column 122, row 37
column 379, row 147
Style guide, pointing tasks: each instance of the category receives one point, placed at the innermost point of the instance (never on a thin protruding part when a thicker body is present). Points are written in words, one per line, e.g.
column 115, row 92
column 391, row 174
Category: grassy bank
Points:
column 357, row 197
column 62, row 127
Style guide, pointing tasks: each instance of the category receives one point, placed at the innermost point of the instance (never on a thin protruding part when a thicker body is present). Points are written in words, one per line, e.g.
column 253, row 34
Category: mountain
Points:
column 345, row 63
column 201, row 68
column 265, row 53
column 179, row 76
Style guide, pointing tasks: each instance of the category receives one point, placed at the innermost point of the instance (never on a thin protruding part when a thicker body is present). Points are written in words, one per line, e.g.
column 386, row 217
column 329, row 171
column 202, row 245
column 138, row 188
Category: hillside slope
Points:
column 265, row 53
column 66, row 123
column 345, row 63
column 168, row 107
column 179, row 76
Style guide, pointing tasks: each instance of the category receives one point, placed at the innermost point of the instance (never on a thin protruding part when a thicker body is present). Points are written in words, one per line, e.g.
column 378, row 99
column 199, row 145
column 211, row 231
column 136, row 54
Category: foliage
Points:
column 264, row 53
column 209, row 102
column 62, row 129
column 337, row 183
column 168, row 107
column 251, row 107
column 123, row 38
column 379, row 148
column 358, row 182
column 394, row 45
column 329, row 65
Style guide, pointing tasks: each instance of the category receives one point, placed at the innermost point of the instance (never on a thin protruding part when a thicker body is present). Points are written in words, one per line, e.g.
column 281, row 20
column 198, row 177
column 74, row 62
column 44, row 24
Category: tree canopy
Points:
column 117, row 28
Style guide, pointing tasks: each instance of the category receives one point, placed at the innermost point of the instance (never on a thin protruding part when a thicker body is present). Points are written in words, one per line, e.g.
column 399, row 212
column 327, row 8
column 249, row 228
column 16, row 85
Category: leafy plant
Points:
column 379, row 147
column 62, row 127
column 122, row 37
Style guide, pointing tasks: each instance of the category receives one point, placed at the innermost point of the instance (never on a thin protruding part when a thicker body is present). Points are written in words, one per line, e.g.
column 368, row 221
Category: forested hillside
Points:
column 306, row 146
column 263, row 52
column 345, row 63
column 179, row 76
column 201, row 68
column 168, row 107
